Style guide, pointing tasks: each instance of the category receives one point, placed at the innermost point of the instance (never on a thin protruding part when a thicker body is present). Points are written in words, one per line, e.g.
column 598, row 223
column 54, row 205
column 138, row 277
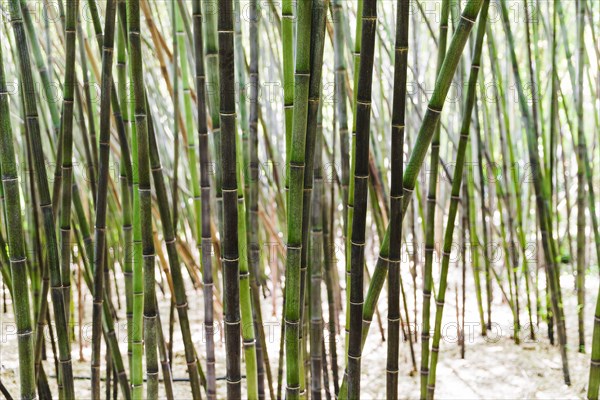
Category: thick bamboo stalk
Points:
column 231, row 251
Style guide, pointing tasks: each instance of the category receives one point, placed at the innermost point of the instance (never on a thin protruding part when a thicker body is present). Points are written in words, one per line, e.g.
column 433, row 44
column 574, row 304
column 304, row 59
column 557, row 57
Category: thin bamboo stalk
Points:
column 361, row 179
column 430, row 224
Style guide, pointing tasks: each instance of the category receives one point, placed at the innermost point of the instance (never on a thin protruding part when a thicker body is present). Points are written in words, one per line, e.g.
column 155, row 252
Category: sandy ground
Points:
column 494, row 367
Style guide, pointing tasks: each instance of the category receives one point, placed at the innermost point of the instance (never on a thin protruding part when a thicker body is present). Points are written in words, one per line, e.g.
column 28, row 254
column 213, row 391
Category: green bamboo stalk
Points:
column 287, row 43
column 67, row 149
column 206, row 242
column 145, row 202
column 16, row 246
column 102, row 201
column 126, row 187
column 33, row 132
column 297, row 164
column 430, row 224
column 396, row 196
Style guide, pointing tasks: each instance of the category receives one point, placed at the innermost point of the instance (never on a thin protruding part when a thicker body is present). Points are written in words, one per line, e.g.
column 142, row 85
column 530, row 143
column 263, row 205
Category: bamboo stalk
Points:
column 102, row 202
column 231, row 251
column 206, row 241
column 396, row 197
column 297, row 164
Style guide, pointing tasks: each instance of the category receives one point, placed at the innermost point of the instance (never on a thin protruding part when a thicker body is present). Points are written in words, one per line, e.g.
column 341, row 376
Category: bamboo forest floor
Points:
column 493, row 368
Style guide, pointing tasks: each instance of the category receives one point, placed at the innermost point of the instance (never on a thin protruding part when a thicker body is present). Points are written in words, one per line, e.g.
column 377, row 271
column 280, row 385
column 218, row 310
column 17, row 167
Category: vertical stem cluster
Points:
column 16, row 245
column 35, row 141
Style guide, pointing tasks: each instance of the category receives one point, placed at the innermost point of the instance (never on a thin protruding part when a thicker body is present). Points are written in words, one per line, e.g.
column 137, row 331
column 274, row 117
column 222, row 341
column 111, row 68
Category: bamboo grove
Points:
column 260, row 199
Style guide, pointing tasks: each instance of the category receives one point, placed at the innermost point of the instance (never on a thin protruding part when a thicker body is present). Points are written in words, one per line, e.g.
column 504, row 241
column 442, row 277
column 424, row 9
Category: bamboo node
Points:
column 463, row 16
column 392, row 371
column 434, row 110
column 244, row 275
column 439, row 303
column 424, row 371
